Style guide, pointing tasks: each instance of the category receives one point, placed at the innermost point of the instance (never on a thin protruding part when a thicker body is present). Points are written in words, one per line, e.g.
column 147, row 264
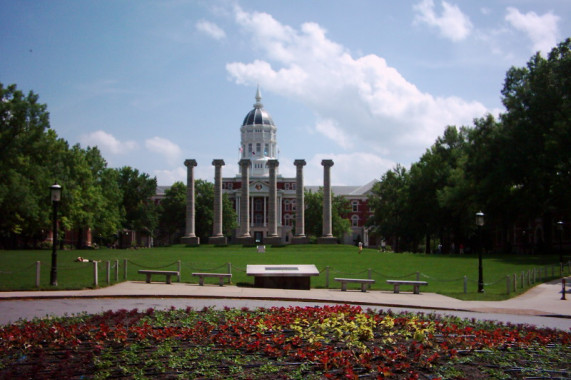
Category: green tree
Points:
column 389, row 198
column 172, row 218
column 314, row 214
column 141, row 214
column 204, row 204
column 28, row 160
column 538, row 134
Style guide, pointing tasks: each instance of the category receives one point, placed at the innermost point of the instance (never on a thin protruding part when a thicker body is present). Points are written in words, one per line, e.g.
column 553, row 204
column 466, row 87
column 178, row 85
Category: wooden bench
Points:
column 221, row 277
column 415, row 285
column 363, row 281
column 167, row 273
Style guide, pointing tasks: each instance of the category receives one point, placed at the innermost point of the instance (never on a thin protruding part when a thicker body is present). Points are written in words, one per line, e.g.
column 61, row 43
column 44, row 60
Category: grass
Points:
column 444, row 273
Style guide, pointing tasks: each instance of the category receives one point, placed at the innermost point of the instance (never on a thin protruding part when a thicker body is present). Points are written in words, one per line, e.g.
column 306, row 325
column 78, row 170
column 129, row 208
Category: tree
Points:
column 538, row 134
column 314, row 214
column 28, row 160
column 204, row 214
column 172, row 218
column 389, row 199
column 141, row 213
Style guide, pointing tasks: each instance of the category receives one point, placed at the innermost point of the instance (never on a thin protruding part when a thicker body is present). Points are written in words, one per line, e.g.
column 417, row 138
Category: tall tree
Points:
column 28, row 148
column 173, row 212
column 389, row 199
column 141, row 213
column 538, row 129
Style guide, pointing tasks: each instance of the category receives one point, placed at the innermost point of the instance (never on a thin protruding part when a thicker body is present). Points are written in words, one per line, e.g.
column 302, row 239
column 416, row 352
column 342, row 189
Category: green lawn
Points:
column 444, row 273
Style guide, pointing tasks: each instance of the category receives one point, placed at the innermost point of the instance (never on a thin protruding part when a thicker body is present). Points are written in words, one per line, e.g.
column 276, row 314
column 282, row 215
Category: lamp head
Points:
column 479, row 218
column 55, row 190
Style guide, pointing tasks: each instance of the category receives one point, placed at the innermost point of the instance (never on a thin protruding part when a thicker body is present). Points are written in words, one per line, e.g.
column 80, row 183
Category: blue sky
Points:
column 367, row 83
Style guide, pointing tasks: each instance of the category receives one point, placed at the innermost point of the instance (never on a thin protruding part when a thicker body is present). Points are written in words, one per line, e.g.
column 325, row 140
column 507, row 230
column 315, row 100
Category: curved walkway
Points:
column 544, row 300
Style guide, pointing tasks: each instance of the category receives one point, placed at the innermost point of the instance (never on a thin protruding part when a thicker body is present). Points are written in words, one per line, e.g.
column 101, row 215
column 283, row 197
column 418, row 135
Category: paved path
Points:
column 542, row 301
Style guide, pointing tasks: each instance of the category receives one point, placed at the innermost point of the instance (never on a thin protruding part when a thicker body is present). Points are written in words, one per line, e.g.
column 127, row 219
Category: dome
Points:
column 258, row 116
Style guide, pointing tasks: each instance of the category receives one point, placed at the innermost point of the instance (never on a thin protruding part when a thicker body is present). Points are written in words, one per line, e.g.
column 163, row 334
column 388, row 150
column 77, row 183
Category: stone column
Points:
column 273, row 237
column 190, row 237
column 217, row 235
column 299, row 237
column 245, row 237
column 327, row 237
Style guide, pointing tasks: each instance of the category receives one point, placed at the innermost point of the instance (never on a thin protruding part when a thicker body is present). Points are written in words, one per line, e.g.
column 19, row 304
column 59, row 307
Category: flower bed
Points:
column 310, row 342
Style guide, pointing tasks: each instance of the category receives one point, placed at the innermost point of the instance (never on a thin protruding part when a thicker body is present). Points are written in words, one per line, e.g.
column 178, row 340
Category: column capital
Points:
column 218, row 162
column 190, row 162
column 273, row 163
column 299, row 162
column 245, row 162
column 327, row 163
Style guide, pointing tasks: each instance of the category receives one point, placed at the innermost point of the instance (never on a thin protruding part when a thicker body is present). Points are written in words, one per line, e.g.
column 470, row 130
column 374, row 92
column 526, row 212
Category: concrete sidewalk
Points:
column 542, row 300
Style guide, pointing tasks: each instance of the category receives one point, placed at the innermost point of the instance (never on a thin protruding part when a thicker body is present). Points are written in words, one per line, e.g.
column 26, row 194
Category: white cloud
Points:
column 166, row 148
column 349, row 169
column 541, row 30
column 330, row 129
column 210, row 29
column 107, row 143
column 168, row 177
column 359, row 102
column 452, row 24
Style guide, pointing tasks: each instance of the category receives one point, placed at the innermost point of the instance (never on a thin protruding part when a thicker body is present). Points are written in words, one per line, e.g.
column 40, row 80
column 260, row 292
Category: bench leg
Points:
column 221, row 281
column 397, row 288
column 201, row 281
column 169, row 279
column 364, row 287
column 343, row 286
column 148, row 280
column 416, row 289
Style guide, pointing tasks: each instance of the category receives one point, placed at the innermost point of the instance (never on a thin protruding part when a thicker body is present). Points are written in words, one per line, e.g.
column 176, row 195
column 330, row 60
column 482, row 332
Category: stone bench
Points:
column 221, row 277
column 363, row 281
column 167, row 273
column 415, row 285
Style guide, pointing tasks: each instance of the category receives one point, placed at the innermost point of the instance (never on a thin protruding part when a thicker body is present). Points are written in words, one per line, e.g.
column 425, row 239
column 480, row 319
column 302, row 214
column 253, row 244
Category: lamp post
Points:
column 55, row 191
column 560, row 229
column 480, row 224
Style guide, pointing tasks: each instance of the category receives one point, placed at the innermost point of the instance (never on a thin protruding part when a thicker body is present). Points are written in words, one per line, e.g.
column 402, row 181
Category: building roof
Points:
column 357, row 191
column 258, row 116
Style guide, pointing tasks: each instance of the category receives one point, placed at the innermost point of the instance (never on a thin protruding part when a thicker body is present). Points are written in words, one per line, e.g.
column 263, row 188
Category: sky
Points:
column 367, row 83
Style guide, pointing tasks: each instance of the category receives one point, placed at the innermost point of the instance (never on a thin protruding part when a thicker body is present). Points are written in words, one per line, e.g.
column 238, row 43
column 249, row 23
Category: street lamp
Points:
column 560, row 229
column 480, row 224
column 55, row 191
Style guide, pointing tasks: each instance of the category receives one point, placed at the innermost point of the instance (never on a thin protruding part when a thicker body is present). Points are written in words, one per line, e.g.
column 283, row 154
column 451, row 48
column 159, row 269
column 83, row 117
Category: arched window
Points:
column 355, row 221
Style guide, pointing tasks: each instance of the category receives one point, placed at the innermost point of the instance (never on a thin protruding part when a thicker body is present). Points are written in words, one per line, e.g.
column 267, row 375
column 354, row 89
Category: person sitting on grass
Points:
column 83, row 260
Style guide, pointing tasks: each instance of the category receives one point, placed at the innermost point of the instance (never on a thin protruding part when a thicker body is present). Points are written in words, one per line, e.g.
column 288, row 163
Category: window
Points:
column 287, row 205
column 266, row 150
column 355, row 206
column 288, row 220
column 355, row 221
column 258, row 148
column 286, row 185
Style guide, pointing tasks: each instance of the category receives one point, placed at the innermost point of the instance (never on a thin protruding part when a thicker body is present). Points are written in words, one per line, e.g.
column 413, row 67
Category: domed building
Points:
column 258, row 144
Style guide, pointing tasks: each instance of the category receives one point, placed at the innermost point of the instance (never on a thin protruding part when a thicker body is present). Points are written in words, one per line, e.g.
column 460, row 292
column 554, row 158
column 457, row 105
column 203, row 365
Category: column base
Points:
column 193, row 241
column 300, row 240
column 245, row 240
column 273, row 240
column 327, row 240
column 217, row 240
